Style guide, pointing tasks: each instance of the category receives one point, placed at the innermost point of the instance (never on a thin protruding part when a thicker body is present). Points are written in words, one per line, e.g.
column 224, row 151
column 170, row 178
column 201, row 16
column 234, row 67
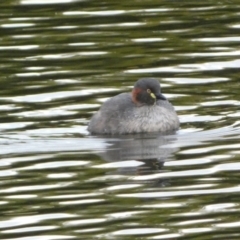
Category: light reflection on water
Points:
column 206, row 66
column 60, row 61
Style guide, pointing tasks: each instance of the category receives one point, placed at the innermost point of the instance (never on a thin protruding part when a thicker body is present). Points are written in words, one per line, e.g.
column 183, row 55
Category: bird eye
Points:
column 148, row 90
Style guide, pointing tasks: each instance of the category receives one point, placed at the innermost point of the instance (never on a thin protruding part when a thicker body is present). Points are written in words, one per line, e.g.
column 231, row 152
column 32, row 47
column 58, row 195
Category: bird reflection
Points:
column 152, row 150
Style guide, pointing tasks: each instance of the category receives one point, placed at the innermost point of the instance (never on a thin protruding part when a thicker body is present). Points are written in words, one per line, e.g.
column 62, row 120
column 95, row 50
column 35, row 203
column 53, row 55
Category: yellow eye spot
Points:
column 153, row 95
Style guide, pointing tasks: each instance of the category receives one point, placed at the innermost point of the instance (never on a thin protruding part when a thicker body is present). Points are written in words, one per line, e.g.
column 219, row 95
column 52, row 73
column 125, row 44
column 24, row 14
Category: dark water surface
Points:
column 60, row 59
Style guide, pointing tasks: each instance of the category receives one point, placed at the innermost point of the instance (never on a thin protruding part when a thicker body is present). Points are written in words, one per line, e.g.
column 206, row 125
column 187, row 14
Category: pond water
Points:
column 60, row 60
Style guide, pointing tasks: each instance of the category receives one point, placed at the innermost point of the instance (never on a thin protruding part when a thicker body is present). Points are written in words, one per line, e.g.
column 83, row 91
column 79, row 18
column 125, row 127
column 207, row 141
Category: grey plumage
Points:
column 120, row 115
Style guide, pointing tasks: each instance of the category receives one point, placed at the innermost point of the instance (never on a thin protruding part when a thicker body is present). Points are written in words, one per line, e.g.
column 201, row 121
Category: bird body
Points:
column 142, row 111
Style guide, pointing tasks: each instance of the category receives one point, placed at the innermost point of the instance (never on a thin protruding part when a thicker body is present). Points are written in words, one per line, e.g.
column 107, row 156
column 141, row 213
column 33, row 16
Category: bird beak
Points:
column 160, row 96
